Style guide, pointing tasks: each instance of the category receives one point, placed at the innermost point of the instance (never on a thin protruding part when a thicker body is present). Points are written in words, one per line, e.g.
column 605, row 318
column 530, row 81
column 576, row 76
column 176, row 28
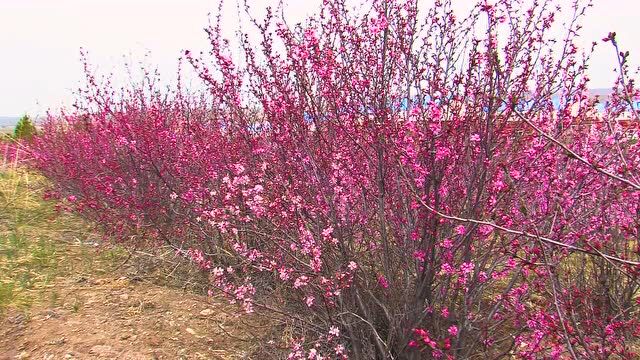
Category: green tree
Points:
column 24, row 128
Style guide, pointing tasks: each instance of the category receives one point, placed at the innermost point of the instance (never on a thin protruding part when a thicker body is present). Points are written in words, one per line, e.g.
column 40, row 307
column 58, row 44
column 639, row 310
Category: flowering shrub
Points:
column 400, row 188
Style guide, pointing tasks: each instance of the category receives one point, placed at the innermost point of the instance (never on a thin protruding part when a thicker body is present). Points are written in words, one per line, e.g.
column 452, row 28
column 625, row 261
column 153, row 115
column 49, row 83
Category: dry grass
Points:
column 29, row 230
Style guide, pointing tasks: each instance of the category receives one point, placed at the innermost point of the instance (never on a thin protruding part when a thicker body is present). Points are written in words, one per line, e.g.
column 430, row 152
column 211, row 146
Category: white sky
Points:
column 40, row 40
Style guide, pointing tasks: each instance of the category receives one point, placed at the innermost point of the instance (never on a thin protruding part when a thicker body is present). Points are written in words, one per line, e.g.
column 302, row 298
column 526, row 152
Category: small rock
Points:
column 154, row 341
column 18, row 319
column 50, row 314
column 125, row 336
column 59, row 341
column 23, row 355
column 206, row 312
column 134, row 278
column 124, row 297
column 191, row 331
column 147, row 305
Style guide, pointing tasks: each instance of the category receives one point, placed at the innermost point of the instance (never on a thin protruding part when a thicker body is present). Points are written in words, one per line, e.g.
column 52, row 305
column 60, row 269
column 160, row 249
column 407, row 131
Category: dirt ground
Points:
column 116, row 317
column 64, row 294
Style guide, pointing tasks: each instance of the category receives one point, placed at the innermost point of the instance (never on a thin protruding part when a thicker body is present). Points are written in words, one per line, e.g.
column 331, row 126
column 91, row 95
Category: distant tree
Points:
column 24, row 128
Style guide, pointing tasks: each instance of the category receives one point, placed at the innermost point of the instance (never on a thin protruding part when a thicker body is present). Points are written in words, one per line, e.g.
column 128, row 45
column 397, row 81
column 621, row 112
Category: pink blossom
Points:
column 419, row 255
column 352, row 265
column 334, row 331
column 445, row 312
column 301, row 281
column 327, row 231
column 310, row 300
column 382, row 281
column 453, row 330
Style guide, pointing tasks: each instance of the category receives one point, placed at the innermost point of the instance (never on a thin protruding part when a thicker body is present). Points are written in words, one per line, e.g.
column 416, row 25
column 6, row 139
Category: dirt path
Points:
column 115, row 317
column 64, row 297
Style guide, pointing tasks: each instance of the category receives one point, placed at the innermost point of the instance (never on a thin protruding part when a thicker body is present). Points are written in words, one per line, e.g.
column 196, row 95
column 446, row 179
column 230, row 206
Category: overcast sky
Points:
column 40, row 40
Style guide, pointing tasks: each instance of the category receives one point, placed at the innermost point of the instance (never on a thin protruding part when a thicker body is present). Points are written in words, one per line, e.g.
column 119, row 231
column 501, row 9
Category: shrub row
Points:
column 374, row 177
